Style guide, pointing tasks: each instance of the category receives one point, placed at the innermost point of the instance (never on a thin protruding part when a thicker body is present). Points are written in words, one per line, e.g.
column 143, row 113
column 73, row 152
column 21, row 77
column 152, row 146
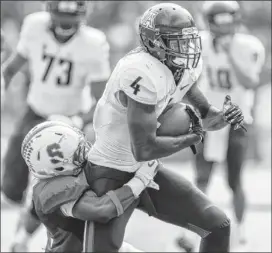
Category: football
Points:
column 174, row 121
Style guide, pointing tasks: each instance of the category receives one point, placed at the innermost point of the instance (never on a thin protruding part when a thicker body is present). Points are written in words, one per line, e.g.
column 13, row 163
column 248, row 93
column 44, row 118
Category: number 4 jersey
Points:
column 219, row 79
column 146, row 80
column 61, row 72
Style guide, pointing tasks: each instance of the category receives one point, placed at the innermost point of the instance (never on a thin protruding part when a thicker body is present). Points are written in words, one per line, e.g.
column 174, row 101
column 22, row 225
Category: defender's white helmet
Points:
column 54, row 148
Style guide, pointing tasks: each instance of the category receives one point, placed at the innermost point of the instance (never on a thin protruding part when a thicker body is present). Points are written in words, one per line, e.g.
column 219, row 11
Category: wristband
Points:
column 136, row 185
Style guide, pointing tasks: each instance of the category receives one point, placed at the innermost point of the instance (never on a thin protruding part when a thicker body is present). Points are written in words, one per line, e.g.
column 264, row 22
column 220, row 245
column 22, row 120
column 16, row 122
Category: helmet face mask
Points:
column 183, row 51
column 65, row 25
column 66, row 16
column 169, row 33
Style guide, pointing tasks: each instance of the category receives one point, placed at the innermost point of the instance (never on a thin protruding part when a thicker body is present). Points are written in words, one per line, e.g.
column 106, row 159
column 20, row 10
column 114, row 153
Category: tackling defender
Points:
column 64, row 57
column 233, row 62
column 163, row 70
column 56, row 155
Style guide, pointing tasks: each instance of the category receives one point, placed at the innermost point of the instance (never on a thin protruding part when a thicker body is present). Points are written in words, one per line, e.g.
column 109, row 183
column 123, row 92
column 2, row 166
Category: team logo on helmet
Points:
column 148, row 20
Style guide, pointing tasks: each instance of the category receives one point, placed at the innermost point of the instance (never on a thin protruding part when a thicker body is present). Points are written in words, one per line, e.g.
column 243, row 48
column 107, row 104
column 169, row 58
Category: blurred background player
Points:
column 233, row 61
column 64, row 57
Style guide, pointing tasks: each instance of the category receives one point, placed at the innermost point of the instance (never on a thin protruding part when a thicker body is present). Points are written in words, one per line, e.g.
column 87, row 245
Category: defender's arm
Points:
column 104, row 208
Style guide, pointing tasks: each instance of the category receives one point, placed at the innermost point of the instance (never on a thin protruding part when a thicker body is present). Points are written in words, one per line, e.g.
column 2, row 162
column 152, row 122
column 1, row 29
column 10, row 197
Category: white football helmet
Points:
column 54, row 148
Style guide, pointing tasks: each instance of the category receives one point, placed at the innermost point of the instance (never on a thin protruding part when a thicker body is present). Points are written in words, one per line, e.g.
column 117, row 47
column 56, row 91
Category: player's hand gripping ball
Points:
column 174, row 121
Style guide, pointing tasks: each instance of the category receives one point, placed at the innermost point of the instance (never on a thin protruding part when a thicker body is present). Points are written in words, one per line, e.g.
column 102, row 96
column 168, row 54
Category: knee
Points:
column 222, row 230
column 220, row 224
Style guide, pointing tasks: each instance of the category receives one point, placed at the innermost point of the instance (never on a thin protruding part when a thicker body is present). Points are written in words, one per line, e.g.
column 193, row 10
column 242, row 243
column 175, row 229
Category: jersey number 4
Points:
column 222, row 79
column 68, row 67
column 135, row 85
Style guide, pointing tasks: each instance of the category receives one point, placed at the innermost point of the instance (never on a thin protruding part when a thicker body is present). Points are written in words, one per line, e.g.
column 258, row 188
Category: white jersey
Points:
column 219, row 79
column 146, row 80
column 60, row 72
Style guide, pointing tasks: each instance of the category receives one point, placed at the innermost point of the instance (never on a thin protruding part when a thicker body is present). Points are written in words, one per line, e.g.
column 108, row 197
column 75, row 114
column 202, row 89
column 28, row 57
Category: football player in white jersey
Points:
column 163, row 70
column 64, row 57
column 232, row 64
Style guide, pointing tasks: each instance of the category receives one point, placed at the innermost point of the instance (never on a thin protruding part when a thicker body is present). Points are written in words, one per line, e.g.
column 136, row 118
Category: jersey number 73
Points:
column 51, row 60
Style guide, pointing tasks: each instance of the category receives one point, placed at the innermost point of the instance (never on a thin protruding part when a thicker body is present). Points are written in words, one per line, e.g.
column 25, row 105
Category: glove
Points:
column 144, row 178
column 147, row 173
column 197, row 127
column 233, row 114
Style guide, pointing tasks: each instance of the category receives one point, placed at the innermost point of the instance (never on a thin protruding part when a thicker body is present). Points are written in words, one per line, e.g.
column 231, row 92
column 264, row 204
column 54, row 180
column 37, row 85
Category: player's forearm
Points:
column 104, row 208
column 214, row 120
column 11, row 66
column 8, row 74
column 164, row 146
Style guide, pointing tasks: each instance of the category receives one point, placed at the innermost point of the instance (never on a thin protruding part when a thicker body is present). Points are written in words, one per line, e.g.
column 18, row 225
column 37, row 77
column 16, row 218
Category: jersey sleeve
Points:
column 23, row 46
column 139, row 86
column 67, row 208
column 99, row 64
column 100, row 209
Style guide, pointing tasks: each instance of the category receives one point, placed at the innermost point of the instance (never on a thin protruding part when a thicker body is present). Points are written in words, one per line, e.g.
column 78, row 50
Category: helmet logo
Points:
column 148, row 20
column 53, row 151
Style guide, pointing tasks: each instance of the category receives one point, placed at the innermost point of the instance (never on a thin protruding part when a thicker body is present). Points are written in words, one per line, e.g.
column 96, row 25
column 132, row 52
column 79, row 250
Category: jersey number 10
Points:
column 68, row 65
column 222, row 79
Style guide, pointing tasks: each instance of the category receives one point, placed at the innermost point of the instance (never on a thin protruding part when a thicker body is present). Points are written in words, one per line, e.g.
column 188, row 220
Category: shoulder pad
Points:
column 36, row 21
column 153, row 77
column 53, row 193
column 94, row 36
column 247, row 42
column 250, row 50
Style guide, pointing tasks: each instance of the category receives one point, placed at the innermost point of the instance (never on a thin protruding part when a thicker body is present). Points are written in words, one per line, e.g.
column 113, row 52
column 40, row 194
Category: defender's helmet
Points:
column 169, row 33
column 66, row 16
column 222, row 17
column 54, row 148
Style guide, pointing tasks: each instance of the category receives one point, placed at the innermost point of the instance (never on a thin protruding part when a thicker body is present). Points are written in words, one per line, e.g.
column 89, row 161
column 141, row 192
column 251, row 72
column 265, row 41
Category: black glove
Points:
column 197, row 127
column 233, row 114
